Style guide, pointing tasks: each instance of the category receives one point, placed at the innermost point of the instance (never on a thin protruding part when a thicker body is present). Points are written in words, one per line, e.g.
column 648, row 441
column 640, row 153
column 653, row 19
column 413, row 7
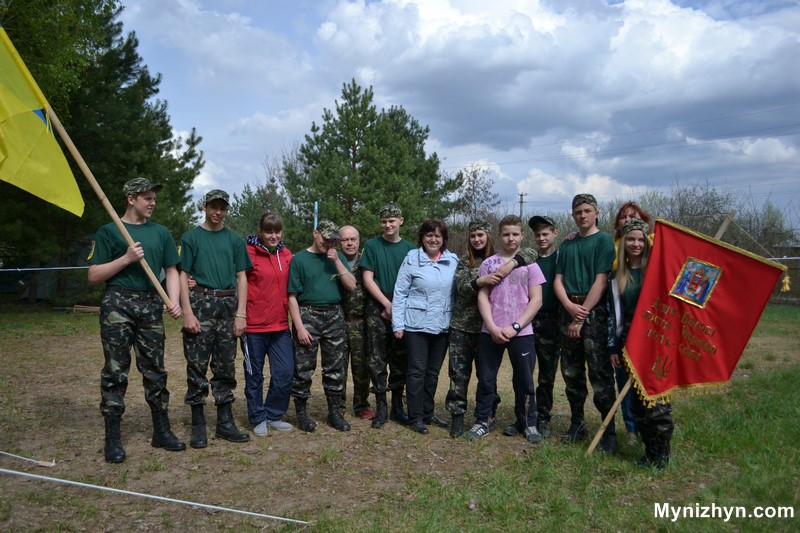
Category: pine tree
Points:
column 360, row 159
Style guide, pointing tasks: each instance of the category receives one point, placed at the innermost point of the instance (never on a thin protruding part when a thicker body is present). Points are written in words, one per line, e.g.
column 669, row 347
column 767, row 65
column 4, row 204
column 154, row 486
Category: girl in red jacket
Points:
column 267, row 333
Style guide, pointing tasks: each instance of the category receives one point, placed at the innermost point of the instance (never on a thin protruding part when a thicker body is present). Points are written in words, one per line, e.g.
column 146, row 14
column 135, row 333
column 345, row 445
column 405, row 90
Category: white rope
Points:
column 51, row 464
column 32, row 269
column 142, row 495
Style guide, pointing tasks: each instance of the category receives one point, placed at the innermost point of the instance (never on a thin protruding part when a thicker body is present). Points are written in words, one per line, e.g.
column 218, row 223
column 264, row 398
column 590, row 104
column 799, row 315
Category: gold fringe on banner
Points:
column 680, row 391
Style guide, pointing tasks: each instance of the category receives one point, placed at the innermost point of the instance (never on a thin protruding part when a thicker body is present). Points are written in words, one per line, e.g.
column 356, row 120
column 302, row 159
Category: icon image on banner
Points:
column 696, row 282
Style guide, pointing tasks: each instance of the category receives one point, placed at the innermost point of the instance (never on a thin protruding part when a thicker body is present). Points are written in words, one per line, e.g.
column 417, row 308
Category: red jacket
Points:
column 267, row 282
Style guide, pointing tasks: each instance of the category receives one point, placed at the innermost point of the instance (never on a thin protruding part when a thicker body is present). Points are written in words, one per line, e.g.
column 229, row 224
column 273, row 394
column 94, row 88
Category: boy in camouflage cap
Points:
column 318, row 276
column 581, row 278
column 131, row 314
column 214, row 316
column 381, row 262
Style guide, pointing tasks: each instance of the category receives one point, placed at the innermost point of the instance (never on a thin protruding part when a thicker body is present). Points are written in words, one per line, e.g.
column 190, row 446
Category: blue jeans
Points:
column 278, row 346
column 625, row 406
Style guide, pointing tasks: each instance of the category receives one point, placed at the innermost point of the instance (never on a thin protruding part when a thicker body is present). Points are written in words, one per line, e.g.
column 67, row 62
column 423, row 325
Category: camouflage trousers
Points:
column 590, row 350
column 327, row 327
column 357, row 353
column 462, row 353
column 547, row 336
column 384, row 350
column 653, row 422
column 132, row 319
column 216, row 344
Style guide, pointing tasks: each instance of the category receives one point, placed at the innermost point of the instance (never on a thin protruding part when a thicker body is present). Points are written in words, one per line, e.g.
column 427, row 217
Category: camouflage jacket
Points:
column 353, row 302
column 466, row 316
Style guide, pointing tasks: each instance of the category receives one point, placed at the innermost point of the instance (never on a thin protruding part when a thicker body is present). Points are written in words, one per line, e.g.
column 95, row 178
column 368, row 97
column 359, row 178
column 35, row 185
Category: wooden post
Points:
column 102, row 196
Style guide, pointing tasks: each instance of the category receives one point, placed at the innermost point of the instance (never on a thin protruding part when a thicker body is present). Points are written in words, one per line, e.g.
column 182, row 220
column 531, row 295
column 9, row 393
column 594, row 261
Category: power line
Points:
column 636, row 132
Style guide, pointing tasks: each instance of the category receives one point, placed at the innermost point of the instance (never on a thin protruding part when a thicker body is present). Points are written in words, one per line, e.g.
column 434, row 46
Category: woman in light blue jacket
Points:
column 421, row 310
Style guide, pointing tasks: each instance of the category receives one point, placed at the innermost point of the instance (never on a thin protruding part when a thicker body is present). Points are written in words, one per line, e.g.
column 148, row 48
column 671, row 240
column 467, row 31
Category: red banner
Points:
column 700, row 301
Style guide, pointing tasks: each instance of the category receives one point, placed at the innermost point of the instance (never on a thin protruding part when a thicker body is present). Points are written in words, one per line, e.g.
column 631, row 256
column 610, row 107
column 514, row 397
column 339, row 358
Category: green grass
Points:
column 735, row 449
column 778, row 321
column 22, row 321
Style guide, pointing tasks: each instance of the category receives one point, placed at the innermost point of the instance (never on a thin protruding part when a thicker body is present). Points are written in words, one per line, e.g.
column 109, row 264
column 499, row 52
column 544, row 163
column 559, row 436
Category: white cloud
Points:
column 555, row 97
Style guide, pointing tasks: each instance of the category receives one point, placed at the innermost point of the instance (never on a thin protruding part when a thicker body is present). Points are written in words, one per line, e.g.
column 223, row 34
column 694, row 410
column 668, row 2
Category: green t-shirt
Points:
column 159, row 251
column 630, row 297
column 214, row 257
column 384, row 258
column 582, row 259
column 548, row 266
column 314, row 278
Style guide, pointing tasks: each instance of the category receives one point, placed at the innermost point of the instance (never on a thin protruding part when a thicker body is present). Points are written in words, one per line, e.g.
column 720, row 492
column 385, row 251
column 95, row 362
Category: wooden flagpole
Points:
column 613, row 412
column 104, row 200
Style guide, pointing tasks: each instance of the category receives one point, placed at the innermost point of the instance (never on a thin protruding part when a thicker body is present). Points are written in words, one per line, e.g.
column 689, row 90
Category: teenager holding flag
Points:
column 625, row 283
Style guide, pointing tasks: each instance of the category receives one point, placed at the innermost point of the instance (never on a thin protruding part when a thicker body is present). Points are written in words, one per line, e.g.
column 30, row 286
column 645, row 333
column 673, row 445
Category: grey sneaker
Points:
column 532, row 435
column 280, row 425
column 479, row 430
column 261, row 429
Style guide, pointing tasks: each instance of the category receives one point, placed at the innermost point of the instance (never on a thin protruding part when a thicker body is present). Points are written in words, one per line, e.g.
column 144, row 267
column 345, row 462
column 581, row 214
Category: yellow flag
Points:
column 30, row 157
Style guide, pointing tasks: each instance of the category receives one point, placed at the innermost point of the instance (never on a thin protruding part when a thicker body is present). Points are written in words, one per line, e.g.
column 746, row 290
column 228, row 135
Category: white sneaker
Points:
column 279, row 425
column 261, row 429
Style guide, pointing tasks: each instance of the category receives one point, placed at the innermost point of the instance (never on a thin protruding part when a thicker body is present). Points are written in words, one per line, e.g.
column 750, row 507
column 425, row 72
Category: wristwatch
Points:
column 516, row 326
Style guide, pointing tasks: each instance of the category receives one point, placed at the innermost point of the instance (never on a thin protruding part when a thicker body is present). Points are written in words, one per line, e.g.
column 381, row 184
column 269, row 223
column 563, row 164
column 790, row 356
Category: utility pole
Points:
column 521, row 196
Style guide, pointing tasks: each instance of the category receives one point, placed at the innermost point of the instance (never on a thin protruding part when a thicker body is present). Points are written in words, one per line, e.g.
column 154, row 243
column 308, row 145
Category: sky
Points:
column 554, row 97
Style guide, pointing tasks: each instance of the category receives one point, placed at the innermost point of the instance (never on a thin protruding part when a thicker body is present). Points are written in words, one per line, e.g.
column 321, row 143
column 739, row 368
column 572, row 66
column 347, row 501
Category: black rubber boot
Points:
column 398, row 413
column 226, row 427
column 381, row 411
column 114, row 451
column 163, row 437
column 303, row 421
column 577, row 432
column 335, row 418
column 457, row 426
column 198, row 438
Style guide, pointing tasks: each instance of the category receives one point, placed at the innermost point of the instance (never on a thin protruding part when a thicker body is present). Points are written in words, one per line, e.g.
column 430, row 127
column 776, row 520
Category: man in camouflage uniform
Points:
column 214, row 316
column 580, row 284
column 381, row 262
column 353, row 305
column 130, row 314
column 318, row 276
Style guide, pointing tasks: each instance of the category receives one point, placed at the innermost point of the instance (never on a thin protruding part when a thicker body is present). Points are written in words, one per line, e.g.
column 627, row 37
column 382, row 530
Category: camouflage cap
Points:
column 584, row 199
column 328, row 229
column 633, row 225
column 216, row 194
column 540, row 220
column 482, row 225
column 139, row 185
column 390, row 211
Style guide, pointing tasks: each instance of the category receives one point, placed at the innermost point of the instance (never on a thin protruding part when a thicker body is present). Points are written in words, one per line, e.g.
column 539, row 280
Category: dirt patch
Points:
column 49, row 410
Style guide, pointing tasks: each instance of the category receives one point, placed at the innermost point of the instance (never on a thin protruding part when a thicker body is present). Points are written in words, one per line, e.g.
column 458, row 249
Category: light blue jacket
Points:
column 424, row 293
